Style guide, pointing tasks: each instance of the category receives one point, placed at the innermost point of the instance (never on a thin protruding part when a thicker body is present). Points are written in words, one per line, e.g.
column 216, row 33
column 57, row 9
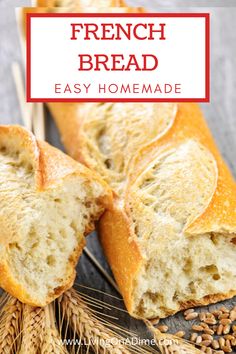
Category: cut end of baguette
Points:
column 186, row 273
column 179, row 270
column 42, row 229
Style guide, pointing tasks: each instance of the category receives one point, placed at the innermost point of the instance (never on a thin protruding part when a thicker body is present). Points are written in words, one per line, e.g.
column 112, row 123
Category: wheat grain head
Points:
column 90, row 329
column 32, row 329
column 10, row 318
column 52, row 342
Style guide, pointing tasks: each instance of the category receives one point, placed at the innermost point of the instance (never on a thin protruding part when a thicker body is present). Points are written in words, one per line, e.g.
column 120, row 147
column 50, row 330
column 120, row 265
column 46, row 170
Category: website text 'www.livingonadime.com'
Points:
column 111, row 342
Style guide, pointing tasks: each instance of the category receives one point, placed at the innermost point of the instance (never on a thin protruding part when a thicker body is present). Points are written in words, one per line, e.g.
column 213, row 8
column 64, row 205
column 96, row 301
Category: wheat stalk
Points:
column 52, row 342
column 90, row 328
column 169, row 343
column 32, row 329
column 10, row 325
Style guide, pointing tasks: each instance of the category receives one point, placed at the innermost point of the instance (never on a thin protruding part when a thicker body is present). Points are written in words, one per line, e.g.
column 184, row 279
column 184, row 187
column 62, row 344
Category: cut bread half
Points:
column 171, row 241
column 48, row 202
column 174, row 190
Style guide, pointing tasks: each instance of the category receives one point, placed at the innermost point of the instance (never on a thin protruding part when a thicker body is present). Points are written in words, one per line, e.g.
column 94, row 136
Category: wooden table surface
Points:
column 220, row 112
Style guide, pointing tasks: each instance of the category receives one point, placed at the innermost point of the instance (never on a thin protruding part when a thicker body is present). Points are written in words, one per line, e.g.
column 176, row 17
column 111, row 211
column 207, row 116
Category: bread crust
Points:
column 220, row 216
column 51, row 168
column 121, row 250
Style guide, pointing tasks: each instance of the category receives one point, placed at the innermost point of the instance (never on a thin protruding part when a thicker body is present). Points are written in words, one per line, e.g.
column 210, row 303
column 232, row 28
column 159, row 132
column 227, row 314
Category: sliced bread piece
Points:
column 48, row 202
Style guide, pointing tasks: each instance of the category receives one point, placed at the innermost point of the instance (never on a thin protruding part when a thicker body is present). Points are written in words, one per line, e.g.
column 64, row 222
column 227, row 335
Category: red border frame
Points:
column 146, row 15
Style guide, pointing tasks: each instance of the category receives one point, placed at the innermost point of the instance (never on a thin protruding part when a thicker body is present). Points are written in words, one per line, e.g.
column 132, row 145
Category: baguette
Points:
column 171, row 237
column 48, row 202
column 171, row 240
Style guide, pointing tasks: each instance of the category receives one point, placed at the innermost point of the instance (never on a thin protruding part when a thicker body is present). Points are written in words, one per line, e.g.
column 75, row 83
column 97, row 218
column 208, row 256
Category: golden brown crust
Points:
column 220, row 216
column 122, row 253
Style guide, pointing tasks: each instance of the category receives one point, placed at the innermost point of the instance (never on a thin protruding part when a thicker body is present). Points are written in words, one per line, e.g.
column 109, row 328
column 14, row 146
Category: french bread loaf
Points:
column 176, row 224
column 48, row 203
column 171, row 236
